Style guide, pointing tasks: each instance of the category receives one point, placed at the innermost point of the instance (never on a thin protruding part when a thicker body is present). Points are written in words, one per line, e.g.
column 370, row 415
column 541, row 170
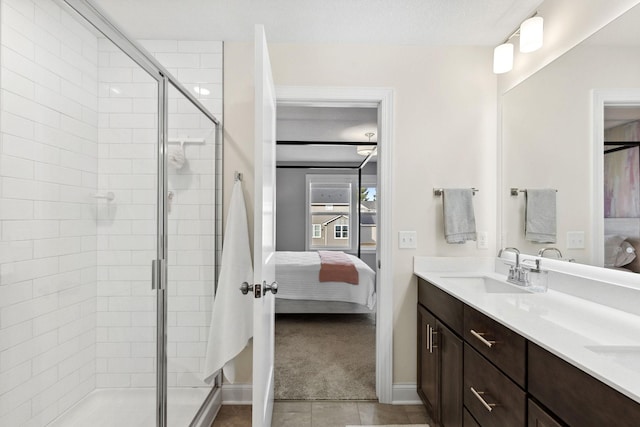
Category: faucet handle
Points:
column 526, row 264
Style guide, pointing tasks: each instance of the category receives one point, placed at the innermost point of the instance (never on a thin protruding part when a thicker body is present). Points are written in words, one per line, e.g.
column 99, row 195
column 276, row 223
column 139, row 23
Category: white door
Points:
column 264, row 233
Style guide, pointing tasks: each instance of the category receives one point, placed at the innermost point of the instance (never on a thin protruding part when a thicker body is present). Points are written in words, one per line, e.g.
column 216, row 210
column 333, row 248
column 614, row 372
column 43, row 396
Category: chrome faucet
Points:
column 550, row 248
column 516, row 273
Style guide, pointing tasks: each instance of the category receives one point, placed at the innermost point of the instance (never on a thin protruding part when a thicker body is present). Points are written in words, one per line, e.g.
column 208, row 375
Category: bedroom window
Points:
column 341, row 231
column 331, row 204
column 368, row 213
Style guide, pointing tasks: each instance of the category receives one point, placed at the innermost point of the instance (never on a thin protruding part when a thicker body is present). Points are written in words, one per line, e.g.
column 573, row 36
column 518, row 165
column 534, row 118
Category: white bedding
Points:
column 297, row 276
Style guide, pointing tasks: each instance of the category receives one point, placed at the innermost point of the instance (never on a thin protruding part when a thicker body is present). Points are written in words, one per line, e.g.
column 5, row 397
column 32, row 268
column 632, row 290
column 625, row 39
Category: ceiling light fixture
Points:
column 531, row 36
column 366, row 150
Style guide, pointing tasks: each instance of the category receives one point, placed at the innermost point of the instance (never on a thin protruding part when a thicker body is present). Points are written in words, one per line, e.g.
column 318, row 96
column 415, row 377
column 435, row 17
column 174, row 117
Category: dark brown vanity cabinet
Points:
column 439, row 367
column 538, row 417
column 475, row 372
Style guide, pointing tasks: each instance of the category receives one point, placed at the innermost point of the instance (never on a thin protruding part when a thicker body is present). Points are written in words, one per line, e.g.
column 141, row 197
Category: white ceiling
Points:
column 323, row 124
column 616, row 116
column 419, row 22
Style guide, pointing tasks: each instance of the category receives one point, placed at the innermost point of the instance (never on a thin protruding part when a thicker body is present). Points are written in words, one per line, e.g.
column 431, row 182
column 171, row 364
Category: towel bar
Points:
column 438, row 191
column 514, row 191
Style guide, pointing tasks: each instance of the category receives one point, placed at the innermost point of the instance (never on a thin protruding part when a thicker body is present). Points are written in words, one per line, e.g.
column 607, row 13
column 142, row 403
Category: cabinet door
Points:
column 449, row 347
column 539, row 418
column 428, row 364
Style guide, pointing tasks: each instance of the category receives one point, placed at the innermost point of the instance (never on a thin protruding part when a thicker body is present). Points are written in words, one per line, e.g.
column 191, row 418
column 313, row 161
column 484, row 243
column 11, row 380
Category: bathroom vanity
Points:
column 493, row 354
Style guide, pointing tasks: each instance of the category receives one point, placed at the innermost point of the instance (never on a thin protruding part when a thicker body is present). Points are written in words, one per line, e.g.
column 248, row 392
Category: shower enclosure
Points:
column 110, row 180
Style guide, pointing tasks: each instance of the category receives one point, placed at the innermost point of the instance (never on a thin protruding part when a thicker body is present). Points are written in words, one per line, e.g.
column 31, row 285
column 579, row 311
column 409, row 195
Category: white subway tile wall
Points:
column 78, row 118
column 48, row 173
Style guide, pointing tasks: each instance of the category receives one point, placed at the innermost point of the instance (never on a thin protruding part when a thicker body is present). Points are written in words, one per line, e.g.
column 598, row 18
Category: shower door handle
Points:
column 158, row 267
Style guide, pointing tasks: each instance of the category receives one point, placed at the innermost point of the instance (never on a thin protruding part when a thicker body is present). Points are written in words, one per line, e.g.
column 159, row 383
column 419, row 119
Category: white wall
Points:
column 49, row 168
column 445, row 133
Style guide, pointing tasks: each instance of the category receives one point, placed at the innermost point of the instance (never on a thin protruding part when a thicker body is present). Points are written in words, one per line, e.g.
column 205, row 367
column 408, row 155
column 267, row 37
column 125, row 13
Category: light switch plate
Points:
column 407, row 239
column 575, row 239
column 482, row 241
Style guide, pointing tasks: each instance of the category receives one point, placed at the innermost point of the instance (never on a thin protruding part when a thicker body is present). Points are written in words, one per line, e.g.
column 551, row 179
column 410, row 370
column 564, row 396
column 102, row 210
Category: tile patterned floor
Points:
column 326, row 414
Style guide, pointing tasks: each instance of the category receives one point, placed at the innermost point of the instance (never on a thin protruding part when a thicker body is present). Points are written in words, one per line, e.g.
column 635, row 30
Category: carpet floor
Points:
column 325, row 357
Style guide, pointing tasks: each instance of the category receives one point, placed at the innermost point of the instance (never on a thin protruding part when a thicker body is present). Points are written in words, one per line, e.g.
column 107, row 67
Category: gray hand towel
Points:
column 540, row 216
column 459, row 220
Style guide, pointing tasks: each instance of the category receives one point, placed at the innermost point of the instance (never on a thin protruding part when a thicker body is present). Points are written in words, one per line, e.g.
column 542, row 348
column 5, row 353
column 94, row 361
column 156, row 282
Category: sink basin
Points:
column 488, row 284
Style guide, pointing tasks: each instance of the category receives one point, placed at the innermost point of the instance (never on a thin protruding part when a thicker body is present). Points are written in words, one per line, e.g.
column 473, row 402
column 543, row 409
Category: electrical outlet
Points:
column 482, row 240
column 407, row 239
column 575, row 239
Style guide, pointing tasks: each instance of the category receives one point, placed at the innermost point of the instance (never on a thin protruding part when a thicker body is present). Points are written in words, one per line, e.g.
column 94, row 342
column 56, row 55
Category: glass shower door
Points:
column 191, row 213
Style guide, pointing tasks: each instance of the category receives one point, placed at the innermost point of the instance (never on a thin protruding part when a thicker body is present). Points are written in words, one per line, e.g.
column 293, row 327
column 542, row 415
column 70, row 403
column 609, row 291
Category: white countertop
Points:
column 602, row 340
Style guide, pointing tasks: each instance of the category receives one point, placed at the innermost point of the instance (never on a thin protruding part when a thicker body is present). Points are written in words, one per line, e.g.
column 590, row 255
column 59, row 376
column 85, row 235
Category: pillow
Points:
column 634, row 265
column 618, row 251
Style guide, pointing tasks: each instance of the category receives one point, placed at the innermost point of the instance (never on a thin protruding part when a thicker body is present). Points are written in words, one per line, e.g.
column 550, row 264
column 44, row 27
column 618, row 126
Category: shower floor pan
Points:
column 131, row 407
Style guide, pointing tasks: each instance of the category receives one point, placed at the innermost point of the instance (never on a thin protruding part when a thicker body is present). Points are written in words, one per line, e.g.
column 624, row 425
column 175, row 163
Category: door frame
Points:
column 600, row 99
column 382, row 99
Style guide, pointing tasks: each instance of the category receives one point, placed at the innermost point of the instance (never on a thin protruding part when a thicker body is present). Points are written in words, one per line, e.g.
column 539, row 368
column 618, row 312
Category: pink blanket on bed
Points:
column 335, row 266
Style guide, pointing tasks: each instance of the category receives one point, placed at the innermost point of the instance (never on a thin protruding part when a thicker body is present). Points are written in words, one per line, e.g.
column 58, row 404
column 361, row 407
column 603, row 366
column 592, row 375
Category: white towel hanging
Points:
column 232, row 314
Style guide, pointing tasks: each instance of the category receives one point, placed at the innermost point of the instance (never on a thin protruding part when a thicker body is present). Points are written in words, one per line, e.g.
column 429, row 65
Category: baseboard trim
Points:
column 237, row 394
column 406, row 394
column 241, row 394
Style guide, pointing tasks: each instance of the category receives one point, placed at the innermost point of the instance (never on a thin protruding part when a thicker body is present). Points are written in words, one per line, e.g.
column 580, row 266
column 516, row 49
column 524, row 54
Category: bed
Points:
column 300, row 290
column 622, row 244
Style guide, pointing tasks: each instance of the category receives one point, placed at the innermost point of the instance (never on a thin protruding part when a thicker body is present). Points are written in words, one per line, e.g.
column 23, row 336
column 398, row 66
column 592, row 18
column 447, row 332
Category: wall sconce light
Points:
column 531, row 35
column 503, row 58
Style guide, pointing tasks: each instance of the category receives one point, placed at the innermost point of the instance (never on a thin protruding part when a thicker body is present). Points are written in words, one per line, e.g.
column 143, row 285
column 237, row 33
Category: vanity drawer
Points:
column 575, row 396
column 489, row 395
column 445, row 307
column 468, row 421
column 505, row 348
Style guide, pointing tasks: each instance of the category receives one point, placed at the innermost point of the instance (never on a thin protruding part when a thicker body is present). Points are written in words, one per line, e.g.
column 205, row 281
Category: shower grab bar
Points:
column 183, row 141
column 109, row 196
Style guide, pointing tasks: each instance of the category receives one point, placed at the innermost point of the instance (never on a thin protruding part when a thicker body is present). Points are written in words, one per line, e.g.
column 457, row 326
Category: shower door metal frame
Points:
column 97, row 18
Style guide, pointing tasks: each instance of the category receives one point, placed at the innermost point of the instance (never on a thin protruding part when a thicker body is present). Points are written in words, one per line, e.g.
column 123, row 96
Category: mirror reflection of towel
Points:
column 540, row 216
column 459, row 219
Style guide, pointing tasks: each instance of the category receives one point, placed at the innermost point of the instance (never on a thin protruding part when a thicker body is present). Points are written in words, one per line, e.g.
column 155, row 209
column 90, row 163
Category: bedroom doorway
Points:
column 382, row 99
column 616, row 114
column 327, row 189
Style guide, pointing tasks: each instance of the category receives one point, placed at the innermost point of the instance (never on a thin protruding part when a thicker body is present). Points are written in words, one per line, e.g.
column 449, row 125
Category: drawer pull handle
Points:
column 482, row 339
column 430, row 333
column 429, row 338
column 478, row 395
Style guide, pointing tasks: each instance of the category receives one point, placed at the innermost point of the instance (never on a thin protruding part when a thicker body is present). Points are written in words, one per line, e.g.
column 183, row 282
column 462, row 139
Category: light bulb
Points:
column 503, row 58
column 531, row 34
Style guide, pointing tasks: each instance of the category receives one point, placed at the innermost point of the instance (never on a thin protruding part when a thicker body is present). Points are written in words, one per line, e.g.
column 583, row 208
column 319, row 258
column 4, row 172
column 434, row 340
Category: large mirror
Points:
column 553, row 126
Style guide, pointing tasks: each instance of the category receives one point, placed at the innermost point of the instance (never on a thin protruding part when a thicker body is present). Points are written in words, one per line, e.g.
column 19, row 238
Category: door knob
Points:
column 272, row 287
column 245, row 288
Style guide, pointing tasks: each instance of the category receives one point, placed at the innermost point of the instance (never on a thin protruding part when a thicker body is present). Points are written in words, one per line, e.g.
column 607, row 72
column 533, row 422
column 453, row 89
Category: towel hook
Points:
column 237, row 176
